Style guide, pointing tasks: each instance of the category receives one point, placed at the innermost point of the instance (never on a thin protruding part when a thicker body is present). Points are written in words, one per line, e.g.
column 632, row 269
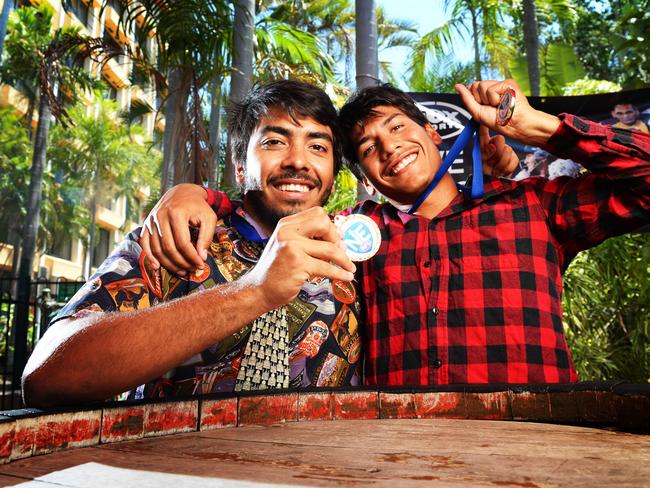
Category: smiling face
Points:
column 398, row 156
column 289, row 167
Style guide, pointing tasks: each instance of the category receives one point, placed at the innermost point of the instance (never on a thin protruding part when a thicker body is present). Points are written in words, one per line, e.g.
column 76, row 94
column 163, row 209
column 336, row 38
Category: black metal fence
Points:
column 45, row 299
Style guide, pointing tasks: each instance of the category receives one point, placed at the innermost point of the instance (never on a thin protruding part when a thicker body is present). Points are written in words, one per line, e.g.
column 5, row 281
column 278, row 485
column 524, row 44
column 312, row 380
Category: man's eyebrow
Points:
column 283, row 131
column 383, row 124
column 320, row 135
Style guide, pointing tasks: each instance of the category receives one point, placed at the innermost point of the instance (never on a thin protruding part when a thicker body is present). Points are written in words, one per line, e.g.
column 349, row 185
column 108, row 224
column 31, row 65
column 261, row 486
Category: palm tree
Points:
column 107, row 155
column 531, row 40
column 548, row 52
column 29, row 30
column 482, row 20
column 52, row 72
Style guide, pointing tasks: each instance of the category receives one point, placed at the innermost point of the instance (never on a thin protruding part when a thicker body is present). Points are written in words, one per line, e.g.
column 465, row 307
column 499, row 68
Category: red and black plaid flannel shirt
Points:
column 474, row 295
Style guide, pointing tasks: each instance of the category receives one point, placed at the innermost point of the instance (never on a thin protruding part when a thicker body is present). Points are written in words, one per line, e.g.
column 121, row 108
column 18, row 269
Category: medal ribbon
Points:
column 246, row 229
column 468, row 134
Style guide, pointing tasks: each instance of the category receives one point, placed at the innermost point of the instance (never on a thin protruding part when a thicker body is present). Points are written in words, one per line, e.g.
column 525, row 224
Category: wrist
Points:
column 543, row 127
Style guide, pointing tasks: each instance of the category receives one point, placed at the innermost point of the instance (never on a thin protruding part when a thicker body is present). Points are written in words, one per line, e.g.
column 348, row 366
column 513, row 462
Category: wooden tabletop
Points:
column 392, row 453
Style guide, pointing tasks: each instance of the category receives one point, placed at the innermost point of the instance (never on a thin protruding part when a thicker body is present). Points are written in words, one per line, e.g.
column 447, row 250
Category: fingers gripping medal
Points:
column 360, row 235
column 506, row 106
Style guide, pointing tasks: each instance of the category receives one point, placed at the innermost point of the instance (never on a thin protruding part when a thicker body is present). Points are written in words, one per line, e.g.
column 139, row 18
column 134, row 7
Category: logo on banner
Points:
column 448, row 119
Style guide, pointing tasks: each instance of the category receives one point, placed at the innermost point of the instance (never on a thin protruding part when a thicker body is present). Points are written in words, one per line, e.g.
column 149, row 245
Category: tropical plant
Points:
column 103, row 157
column 607, row 310
column 29, row 31
column 345, row 193
column 441, row 75
column 480, row 21
column 29, row 58
column 587, row 86
column 552, row 45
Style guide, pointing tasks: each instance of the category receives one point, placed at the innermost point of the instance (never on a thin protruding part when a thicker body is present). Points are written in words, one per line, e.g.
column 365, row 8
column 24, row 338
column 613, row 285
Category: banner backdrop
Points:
column 448, row 116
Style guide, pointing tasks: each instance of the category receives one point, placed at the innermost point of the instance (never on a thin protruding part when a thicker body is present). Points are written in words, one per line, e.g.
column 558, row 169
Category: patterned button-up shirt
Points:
column 324, row 332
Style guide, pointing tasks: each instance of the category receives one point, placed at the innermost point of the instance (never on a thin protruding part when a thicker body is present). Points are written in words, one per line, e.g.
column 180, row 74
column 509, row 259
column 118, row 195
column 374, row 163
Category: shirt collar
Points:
column 247, row 227
column 492, row 186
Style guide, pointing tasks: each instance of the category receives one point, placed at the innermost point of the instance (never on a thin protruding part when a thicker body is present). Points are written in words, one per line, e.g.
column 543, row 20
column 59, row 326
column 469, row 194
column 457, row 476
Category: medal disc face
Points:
column 360, row 235
column 506, row 107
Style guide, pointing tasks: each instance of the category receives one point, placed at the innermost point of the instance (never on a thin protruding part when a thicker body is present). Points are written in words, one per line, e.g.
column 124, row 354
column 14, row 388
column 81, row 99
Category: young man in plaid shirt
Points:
column 469, row 290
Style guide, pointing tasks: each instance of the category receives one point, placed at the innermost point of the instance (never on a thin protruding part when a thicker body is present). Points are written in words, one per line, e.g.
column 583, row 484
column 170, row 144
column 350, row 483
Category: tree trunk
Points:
column 7, row 7
column 242, row 65
column 30, row 118
column 90, row 254
column 531, row 39
column 367, row 64
column 475, row 36
column 30, row 230
column 215, row 133
column 175, row 106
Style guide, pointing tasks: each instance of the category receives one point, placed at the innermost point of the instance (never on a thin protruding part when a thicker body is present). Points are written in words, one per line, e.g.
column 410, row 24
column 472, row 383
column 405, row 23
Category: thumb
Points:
column 472, row 105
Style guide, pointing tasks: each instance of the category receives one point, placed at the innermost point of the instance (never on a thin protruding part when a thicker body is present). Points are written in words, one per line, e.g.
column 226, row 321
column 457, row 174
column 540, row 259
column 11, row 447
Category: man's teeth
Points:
column 294, row 187
column 403, row 163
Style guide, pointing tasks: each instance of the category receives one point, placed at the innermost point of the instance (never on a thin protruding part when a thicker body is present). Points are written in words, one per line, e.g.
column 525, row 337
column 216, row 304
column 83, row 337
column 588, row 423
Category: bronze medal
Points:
column 506, row 107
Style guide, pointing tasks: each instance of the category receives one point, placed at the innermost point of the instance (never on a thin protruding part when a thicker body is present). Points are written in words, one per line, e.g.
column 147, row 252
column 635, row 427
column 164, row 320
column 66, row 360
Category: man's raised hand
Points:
column 303, row 246
column 527, row 125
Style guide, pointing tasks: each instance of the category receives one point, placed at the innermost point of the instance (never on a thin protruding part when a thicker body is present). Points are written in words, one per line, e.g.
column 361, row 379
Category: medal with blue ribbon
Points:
column 468, row 135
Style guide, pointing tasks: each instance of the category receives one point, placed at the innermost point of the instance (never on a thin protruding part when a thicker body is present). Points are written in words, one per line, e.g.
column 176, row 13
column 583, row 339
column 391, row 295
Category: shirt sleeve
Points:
column 124, row 281
column 220, row 202
column 613, row 198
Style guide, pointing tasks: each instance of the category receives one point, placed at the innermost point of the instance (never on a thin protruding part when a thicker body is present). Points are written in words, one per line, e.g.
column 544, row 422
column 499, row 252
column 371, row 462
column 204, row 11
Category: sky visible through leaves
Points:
column 427, row 14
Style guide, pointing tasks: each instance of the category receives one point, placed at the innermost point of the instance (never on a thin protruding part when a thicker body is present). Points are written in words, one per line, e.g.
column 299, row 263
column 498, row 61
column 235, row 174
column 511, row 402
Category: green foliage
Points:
column 284, row 51
column 101, row 156
column 15, row 160
column 58, row 213
column 587, row 86
column 441, row 76
column 28, row 32
column 559, row 66
column 345, row 194
column 611, row 40
column 633, row 29
column 480, row 21
column 607, row 309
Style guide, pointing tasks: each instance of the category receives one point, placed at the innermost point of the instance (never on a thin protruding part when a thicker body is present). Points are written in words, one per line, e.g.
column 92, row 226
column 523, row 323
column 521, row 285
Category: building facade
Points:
column 66, row 259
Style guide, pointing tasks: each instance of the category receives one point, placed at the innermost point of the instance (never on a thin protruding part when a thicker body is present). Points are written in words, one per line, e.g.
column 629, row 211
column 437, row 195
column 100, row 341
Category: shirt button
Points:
column 435, row 310
column 437, row 364
column 427, row 264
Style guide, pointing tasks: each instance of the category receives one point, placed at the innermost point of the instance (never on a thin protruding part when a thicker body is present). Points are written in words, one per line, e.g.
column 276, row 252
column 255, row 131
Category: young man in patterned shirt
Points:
column 226, row 328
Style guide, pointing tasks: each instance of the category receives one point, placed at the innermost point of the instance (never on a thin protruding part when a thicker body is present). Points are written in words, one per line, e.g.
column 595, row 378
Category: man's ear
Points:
column 433, row 133
column 239, row 173
column 370, row 189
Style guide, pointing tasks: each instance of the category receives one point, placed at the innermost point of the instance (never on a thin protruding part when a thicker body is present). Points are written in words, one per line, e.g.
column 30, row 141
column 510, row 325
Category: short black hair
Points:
column 361, row 107
column 297, row 98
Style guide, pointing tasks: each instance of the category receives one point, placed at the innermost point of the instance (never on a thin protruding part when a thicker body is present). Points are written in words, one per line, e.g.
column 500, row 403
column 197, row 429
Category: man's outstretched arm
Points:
column 98, row 356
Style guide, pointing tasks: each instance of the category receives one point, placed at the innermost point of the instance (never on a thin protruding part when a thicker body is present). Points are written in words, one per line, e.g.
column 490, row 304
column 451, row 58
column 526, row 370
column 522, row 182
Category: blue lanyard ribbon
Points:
column 245, row 229
column 468, row 134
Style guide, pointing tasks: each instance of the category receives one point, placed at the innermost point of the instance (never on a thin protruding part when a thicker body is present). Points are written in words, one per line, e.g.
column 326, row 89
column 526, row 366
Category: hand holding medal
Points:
column 502, row 107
